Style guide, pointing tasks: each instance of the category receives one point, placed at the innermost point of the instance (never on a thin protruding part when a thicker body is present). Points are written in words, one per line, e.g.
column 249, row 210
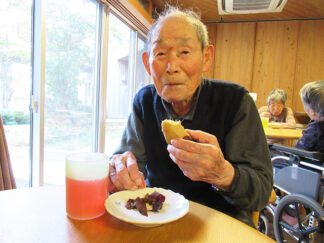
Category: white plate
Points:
column 174, row 207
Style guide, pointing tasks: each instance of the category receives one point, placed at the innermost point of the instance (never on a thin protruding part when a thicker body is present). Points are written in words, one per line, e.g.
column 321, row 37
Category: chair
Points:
column 7, row 180
column 260, row 222
column 299, row 213
column 301, row 117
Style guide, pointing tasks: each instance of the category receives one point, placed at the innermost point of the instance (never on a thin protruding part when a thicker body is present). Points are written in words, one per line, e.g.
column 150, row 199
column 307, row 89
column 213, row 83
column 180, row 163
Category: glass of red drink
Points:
column 86, row 185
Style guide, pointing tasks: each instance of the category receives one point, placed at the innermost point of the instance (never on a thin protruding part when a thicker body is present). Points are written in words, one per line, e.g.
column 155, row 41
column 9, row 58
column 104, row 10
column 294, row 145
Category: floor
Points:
column 272, row 236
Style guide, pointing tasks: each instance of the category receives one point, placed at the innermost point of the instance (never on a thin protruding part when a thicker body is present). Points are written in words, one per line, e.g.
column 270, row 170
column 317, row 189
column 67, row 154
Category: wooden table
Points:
column 38, row 215
column 288, row 134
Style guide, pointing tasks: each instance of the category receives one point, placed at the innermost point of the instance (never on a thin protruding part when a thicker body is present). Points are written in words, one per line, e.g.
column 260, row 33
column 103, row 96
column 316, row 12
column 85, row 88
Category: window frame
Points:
column 37, row 98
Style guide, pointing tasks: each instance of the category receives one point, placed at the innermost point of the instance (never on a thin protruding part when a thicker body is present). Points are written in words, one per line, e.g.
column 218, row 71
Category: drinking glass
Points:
column 265, row 122
column 86, row 185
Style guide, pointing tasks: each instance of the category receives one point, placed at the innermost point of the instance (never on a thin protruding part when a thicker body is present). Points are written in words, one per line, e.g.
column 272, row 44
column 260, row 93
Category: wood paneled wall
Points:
column 265, row 55
column 310, row 55
column 233, row 55
column 274, row 59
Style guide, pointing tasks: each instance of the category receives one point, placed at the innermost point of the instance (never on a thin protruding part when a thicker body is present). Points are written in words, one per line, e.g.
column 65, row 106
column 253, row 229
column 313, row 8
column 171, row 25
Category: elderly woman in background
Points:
column 312, row 96
column 278, row 113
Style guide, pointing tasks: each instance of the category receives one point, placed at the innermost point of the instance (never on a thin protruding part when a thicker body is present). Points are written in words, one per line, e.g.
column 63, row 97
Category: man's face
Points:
column 276, row 108
column 176, row 60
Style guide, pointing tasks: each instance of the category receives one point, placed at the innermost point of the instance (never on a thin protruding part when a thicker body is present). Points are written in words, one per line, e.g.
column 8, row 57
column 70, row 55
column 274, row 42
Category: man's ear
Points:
column 312, row 113
column 208, row 58
column 146, row 62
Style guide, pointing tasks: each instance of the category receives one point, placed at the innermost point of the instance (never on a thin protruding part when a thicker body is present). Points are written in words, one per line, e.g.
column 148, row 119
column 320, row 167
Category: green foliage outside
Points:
column 10, row 117
column 70, row 55
column 14, row 44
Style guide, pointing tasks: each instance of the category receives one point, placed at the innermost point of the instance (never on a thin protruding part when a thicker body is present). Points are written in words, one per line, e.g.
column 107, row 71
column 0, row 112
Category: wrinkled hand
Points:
column 124, row 173
column 202, row 161
column 265, row 114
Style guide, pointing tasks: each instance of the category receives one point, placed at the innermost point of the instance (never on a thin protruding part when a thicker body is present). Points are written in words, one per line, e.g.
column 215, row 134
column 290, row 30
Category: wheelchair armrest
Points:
column 300, row 152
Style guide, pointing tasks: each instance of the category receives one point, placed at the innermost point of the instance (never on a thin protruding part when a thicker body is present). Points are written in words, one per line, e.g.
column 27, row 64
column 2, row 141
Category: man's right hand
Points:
column 124, row 173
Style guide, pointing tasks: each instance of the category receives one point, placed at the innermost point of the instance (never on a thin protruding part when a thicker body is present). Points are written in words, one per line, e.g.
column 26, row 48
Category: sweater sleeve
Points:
column 247, row 150
column 308, row 140
column 264, row 109
column 132, row 140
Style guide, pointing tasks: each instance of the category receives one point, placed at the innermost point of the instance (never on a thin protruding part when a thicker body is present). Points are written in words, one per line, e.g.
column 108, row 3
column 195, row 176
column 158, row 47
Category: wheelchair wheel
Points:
column 263, row 224
column 300, row 218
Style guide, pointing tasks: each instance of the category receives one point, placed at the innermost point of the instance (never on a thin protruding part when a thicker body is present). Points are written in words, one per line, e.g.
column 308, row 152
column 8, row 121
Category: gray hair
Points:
column 312, row 96
column 189, row 15
column 278, row 95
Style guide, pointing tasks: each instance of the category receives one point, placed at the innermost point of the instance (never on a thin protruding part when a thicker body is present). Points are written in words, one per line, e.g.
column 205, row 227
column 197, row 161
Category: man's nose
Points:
column 173, row 63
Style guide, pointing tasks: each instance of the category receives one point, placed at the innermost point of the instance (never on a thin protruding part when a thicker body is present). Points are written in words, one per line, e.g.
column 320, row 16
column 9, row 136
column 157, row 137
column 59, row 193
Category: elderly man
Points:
column 229, row 167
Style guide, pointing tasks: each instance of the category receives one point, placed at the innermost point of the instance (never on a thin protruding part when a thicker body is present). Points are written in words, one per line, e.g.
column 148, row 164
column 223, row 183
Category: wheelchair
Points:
column 298, row 212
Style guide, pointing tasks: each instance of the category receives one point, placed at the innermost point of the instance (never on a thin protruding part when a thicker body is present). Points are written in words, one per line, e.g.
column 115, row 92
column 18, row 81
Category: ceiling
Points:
column 294, row 9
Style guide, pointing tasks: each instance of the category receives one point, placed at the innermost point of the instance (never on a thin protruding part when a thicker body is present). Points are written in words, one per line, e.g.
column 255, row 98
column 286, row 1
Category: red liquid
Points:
column 86, row 199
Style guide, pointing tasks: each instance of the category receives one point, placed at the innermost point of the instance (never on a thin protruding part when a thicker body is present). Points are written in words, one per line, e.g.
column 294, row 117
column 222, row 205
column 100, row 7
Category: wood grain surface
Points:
column 38, row 215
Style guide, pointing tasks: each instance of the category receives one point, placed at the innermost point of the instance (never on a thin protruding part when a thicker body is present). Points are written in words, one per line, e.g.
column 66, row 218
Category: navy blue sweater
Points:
column 217, row 106
column 313, row 137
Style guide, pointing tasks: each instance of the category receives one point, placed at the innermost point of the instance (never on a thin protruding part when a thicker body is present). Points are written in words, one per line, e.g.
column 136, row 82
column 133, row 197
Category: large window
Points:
column 142, row 78
column 124, row 64
column 70, row 82
column 67, row 101
column 15, row 83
